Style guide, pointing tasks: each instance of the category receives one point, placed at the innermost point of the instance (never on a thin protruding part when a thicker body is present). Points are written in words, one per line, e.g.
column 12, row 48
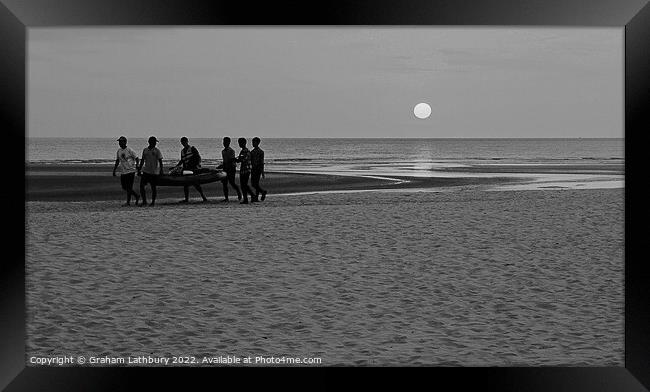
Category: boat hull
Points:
column 192, row 179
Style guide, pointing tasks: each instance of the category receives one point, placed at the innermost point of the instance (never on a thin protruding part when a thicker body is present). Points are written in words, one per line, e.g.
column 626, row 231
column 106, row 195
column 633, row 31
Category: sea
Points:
column 392, row 158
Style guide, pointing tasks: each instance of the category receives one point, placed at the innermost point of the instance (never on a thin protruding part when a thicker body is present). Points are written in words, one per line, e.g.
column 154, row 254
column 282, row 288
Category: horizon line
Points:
column 323, row 138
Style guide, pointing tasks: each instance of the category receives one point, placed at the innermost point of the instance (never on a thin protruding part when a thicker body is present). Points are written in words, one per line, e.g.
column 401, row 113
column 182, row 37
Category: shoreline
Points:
column 62, row 183
column 84, row 182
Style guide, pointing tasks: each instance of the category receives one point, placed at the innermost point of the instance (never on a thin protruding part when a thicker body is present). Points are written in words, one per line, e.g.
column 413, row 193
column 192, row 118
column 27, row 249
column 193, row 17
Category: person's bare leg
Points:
column 255, row 181
column 143, row 193
column 224, row 184
column 129, row 189
column 153, row 195
column 200, row 190
column 231, row 180
column 136, row 196
column 186, row 191
column 243, row 182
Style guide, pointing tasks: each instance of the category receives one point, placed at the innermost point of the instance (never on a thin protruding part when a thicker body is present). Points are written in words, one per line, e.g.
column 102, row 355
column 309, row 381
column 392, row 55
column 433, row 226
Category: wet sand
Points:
column 452, row 278
column 95, row 182
column 544, row 168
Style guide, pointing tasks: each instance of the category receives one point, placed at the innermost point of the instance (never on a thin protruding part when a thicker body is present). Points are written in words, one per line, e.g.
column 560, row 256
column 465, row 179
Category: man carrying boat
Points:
column 245, row 171
column 257, row 169
column 153, row 167
column 190, row 160
column 127, row 161
column 229, row 167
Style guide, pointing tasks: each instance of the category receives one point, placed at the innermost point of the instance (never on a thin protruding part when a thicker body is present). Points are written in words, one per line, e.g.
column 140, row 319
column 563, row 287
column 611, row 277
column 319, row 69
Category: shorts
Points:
column 148, row 179
column 127, row 181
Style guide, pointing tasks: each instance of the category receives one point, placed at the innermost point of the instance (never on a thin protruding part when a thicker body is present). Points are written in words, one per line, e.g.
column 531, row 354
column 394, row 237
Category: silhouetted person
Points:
column 127, row 161
column 244, row 170
column 257, row 169
column 230, row 168
column 153, row 167
column 190, row 160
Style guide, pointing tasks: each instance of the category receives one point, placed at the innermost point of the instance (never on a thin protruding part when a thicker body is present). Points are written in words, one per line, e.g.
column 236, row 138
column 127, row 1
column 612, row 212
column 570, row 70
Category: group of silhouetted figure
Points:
column 150, row 166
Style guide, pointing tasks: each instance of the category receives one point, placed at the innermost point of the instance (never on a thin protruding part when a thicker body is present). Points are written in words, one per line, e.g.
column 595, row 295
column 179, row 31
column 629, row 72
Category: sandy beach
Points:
column 435, row 198
column 456, row 277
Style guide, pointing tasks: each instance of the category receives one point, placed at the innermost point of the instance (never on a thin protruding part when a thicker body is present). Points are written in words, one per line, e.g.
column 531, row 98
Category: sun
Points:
column 422, row 110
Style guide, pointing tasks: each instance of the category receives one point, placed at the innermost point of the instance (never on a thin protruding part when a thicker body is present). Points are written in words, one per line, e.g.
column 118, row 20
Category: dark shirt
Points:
column 229, row 162
column 191, row 158
column 245, row 159
column 257, row 160
column 151, row 158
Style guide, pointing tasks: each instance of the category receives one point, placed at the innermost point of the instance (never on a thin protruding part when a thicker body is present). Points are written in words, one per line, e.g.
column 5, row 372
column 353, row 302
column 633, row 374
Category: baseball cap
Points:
column 153, row 139
column 121, row 138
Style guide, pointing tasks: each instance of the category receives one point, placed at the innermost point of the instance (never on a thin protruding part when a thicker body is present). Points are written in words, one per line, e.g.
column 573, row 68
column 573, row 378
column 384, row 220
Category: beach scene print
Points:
column 325, row 197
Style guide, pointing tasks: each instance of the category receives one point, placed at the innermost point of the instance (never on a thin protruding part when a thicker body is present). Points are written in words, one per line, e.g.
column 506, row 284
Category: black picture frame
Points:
column 632, row 15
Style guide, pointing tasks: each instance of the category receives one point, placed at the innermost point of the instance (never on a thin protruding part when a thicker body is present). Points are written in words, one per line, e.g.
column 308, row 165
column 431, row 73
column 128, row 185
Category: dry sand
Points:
column 453, row 278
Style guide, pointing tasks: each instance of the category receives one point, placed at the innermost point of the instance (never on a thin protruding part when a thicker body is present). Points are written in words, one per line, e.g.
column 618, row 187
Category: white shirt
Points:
column 127, row 157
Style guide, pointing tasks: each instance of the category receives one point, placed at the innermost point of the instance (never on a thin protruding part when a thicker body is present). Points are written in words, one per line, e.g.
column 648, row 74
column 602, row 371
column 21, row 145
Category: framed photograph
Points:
column 353, row 184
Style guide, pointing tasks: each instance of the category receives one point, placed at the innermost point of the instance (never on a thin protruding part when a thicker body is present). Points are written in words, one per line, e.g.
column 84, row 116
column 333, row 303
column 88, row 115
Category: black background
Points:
column 17, row 15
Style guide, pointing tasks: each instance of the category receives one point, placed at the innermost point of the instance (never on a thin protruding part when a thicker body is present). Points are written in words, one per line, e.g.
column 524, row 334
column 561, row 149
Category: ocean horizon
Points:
column 102, row 150
column 567, row 162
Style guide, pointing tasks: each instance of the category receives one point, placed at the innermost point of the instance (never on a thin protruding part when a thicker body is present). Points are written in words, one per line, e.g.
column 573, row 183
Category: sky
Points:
column 325, row 82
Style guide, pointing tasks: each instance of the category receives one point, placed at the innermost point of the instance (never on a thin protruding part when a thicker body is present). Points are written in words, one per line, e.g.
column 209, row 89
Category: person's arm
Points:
column 262, row 162
column 223, row 161
column 135, row 157
column 160, row 163
column 117, row 163
column 198, row 156
column 180, row 162
column 139, row 166
column 232, row 160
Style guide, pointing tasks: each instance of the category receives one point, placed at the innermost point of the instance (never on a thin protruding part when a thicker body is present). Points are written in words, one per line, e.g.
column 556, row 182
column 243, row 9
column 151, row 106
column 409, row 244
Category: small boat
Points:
column 205, row 176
